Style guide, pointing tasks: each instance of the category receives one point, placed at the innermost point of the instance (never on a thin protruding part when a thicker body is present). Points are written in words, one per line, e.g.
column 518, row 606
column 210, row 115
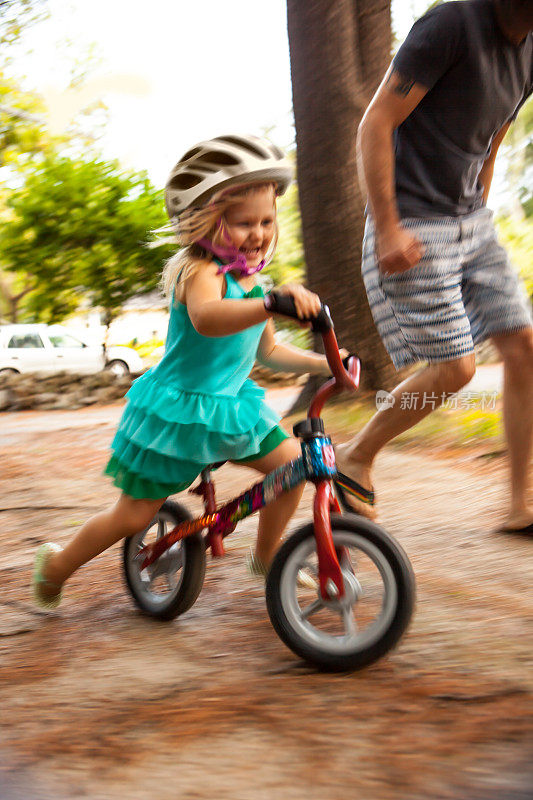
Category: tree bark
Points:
column 10, row 299
column 339, row 51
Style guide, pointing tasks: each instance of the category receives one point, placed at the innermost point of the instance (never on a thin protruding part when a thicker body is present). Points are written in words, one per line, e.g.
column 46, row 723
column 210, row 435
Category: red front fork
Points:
column 328, row 563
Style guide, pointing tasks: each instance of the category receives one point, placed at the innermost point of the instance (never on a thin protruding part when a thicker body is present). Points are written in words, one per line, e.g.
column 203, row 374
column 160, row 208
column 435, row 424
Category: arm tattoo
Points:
column 404, row 85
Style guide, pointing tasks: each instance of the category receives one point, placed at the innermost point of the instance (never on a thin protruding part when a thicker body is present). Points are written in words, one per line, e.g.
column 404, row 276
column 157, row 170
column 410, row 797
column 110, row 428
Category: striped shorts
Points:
column 463, row 291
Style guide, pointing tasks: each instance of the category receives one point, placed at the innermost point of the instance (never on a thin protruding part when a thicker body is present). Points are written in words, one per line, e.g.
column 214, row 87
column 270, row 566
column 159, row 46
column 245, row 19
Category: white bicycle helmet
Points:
column 219, row 163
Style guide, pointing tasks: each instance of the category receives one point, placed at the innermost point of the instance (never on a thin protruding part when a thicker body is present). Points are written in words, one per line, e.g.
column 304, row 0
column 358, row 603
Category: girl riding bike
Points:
column 198, row 405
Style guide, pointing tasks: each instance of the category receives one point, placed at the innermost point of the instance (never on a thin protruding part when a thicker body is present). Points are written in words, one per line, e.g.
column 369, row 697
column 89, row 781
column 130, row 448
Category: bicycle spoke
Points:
column 309, row 567
column 171, row 580
column 349, row 623
column 311, row 609
column 159, row 567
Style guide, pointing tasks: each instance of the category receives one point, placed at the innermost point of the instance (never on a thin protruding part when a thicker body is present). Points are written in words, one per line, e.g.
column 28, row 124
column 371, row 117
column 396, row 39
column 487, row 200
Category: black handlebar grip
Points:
column 280, row 303
column 322, row 322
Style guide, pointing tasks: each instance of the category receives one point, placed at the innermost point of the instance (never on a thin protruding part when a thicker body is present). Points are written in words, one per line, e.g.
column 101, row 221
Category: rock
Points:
column 60, row 391
column 107, row 394
column 65, row 401
column 6, row 398
column 45, row 397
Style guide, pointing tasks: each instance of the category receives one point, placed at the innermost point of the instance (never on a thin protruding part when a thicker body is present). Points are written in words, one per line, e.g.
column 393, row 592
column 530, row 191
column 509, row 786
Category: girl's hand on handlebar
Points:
column 307, row 303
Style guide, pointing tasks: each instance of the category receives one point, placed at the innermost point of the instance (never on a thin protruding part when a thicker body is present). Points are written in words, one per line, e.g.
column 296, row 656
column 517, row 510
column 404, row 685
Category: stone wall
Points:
column 64, row 390
column 61, row 391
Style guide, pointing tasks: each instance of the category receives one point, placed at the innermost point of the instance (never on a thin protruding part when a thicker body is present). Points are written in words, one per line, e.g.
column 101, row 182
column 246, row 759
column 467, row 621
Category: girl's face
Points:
column 250, row 224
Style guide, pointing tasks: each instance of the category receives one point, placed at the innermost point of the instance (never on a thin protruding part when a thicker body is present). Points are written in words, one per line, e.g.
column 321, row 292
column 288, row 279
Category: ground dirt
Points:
column 100, row 702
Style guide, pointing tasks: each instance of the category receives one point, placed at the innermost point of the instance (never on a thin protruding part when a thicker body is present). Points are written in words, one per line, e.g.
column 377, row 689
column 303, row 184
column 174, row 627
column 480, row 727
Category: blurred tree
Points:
column 15, row 16
column 79, row 228
column 515, row 220
column 22, row 126
column 26, row 138
column 339, row 50
column 288, row 262
column 517, row 236
column 21, row 123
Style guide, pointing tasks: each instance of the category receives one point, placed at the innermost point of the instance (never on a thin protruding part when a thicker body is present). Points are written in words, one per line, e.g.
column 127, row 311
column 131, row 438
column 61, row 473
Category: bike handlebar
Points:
column 348, row 379
column 284, row 304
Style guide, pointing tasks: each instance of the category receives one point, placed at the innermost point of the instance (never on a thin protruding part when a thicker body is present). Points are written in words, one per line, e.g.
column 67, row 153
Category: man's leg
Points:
column 516, row 350
column 420, row 316
column 356, row 457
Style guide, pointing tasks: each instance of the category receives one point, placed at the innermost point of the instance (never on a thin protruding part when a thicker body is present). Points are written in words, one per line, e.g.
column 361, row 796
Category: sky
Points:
column 172, row 72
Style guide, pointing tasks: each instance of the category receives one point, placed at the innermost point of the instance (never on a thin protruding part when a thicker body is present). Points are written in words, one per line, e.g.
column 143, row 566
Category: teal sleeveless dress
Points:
column 195, row 408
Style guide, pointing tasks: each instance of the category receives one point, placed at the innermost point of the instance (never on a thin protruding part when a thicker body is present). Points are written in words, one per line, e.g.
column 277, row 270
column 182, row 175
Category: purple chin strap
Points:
column 237, row 260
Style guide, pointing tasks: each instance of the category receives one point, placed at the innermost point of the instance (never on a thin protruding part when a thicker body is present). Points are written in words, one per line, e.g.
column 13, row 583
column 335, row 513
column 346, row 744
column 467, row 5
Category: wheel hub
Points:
column 352, row 592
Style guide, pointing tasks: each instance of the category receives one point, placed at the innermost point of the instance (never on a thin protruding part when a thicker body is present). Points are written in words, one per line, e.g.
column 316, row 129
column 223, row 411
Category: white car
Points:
column 52, row 348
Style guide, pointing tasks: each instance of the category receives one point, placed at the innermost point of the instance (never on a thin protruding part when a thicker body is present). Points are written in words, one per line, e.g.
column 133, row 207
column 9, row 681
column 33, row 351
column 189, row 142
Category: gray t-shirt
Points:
column 477, row 81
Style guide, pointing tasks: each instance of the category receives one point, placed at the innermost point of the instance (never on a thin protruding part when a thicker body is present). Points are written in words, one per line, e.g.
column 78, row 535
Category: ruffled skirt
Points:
column 167, row 436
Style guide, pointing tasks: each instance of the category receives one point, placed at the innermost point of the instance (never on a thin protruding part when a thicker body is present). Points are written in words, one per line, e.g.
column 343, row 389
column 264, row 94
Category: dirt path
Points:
column 99, row 702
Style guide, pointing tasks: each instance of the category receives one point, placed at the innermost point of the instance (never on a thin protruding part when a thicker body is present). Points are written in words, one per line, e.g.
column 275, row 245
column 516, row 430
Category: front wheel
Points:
column 350, row 632
column 170, row 585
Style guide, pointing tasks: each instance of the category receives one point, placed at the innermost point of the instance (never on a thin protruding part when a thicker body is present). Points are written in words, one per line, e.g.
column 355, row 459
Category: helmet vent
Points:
column 279, row 153
column 244, row 144
column 190, row 153
column 184, row 181
column 218, row 159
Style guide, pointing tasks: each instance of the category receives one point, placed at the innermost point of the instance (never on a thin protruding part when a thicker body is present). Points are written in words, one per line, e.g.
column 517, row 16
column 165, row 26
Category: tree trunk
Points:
column 339, row 50
column 9, row 299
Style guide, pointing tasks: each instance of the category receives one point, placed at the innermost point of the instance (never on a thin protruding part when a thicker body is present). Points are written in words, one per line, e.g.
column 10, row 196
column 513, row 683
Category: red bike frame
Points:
column 317, row 464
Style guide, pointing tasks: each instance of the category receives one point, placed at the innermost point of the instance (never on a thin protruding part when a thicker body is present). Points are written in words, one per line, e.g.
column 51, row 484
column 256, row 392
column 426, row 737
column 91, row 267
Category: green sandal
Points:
column 41, row 557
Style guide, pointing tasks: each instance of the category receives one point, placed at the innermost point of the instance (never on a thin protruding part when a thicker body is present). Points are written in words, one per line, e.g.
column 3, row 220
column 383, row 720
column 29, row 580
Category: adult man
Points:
column 436, row 279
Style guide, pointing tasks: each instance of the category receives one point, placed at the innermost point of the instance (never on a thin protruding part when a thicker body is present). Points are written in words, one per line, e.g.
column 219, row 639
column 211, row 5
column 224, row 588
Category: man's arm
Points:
column 394, row 100
column 487, row 170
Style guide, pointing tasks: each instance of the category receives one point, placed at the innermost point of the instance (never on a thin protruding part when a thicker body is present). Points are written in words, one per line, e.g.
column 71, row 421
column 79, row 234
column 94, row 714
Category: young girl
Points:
column 198, row 406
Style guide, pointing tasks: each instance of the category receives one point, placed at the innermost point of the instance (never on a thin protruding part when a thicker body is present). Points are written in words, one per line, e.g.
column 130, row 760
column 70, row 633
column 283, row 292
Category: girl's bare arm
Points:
column 285, row 358
column 213, row 315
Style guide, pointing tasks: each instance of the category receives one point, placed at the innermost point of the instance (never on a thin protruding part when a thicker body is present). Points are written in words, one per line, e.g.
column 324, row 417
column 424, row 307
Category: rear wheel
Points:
column 170, row 585
column 118, row 368
column 347, row 633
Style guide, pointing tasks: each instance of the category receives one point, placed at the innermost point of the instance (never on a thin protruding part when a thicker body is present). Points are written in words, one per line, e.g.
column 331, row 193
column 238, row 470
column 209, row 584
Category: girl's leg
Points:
column 273, row 519
column 126, row 517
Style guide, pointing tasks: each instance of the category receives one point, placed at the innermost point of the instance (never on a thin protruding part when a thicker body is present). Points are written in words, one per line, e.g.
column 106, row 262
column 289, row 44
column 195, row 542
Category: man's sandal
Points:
column 38, row 581
column 347, row 486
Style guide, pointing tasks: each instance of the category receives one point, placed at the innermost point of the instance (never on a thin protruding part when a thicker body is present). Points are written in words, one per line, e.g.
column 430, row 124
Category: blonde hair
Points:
column 199, row 222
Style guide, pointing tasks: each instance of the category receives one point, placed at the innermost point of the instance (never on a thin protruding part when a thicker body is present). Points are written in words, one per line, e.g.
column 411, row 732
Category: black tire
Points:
column 182, row 567
column 290, row 607
column 118, row 367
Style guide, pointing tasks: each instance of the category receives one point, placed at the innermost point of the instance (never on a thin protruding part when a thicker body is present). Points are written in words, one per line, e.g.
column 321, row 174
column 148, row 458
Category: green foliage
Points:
column 517, row 236
column 288, row 263
column 80, row 227
column 517, row 149
column 15, row 16
column 21, row 131
column 443, row 428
